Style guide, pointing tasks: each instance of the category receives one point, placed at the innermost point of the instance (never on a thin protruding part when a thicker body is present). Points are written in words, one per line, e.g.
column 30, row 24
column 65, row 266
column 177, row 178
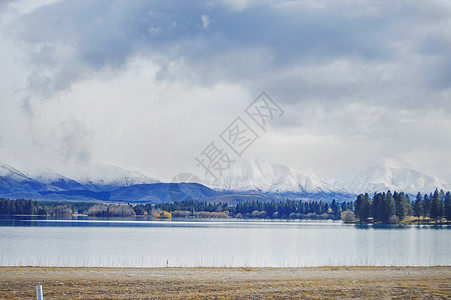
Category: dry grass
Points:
column 410, row 220
column 226, row 283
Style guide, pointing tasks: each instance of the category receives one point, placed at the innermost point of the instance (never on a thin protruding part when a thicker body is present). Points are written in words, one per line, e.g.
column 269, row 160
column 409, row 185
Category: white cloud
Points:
column 129, row 119
column 205, row 21
column 143, row 85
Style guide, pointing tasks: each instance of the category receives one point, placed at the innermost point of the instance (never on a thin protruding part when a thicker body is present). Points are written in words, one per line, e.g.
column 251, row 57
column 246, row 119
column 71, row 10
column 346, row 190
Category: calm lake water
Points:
column 135, row 243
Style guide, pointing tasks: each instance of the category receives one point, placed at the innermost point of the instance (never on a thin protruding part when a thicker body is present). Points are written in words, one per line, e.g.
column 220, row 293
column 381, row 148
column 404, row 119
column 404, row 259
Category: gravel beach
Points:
column 226, row 283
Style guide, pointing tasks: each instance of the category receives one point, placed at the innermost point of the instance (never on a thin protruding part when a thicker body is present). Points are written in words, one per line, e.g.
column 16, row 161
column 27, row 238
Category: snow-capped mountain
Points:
column 389, row 174
column 251, row 174
column 7, row 170
column 103, row 174
column 68, row 182
column 246, row 178
column 92, row 173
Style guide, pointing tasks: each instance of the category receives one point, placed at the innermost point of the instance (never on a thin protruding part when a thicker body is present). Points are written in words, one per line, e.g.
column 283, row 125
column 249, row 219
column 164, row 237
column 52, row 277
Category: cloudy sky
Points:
column 149, row 84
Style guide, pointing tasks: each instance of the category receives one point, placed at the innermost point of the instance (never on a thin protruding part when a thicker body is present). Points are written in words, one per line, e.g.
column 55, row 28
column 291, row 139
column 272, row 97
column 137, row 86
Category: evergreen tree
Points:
column 426, row 206
column 418, row 206
column 436, row 207
column 363, row 207
column 390, row 208
column 335, row 209
column 358, row 205
column 403, row 207
column 375, row 206
column 385, row 208
column 344, row 206
column 447, row 207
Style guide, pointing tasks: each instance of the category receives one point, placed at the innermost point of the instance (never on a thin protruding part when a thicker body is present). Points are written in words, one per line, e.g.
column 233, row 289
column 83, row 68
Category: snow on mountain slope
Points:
column 389, row 174
column 7, row 170
column 258, row 175
column 103, row 174
column 92, row 173
column 13, row 180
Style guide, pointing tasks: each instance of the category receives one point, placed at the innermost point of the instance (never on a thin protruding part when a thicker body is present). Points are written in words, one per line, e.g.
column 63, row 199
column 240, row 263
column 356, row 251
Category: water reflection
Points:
column 83, row 221
column 141, row 242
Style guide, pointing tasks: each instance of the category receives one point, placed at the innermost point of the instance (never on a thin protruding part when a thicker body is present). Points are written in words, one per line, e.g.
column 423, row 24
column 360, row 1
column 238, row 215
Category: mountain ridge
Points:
column 389, row 174
column 247, row 179
column 259, row 175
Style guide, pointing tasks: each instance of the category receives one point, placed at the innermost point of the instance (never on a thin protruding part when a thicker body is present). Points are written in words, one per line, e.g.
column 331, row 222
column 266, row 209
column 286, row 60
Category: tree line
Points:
column 20, row 207
column 44, row 208
column 293, row 209
column 392, row 208
column 288, row 209
column 254, row 209
column 385, row 207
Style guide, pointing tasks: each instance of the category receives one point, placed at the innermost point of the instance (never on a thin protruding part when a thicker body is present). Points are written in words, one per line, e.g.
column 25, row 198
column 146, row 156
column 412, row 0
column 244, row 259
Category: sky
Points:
column 148, row 85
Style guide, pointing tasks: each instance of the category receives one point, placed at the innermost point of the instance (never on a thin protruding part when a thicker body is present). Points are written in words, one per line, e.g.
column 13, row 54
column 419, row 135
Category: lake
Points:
column 228, row 243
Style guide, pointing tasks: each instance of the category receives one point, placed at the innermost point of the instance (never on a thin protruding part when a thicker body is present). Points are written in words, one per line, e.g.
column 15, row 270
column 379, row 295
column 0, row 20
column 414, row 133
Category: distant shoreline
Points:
column 196, row 283
column 410, row 221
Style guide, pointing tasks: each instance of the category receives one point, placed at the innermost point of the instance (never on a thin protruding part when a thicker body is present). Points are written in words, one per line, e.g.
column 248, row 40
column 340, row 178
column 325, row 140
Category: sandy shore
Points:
column 226, row 283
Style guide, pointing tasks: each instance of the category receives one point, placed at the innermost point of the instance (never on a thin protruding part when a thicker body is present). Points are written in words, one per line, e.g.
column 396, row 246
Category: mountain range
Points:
column 246, row 179
column 390, row 174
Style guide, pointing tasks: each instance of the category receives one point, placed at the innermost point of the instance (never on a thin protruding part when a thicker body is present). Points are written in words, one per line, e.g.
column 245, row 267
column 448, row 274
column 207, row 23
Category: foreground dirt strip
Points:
column 226, row 283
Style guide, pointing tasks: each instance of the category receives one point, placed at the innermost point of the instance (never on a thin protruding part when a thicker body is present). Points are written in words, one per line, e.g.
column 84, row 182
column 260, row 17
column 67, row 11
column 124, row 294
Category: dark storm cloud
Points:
column 255, row 46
